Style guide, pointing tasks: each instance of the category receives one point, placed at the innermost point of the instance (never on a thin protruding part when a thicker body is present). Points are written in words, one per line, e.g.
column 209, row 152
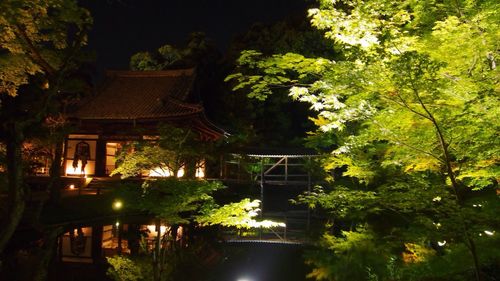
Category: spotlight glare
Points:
column 488, row 232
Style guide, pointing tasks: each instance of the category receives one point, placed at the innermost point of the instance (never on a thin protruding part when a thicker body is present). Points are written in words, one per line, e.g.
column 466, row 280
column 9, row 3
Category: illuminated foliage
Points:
column 33, row 36
column 124, row 269
column 175, row 149
column 410, row 109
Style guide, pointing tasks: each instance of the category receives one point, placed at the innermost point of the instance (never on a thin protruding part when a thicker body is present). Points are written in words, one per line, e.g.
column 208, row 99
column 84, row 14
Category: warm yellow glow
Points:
column 441, row 244
column 90, row 137
column 265, row 224
column 89, row 169
column 180, row 173
column 165, row 172
column 117, row 205
column 437, row 199
column 160, row 172
column 200, row 170
column 117, row 224
column 71, row 186
column 87, row 180
column 154, row 233
column 488, row 232
column 87, row 231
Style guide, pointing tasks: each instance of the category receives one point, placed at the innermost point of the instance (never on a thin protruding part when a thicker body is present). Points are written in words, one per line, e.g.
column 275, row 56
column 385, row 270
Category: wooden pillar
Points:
column 222, row 174
column 100, row 158
column 65, row 156
column 286, row 169
column 96, row 243
column 60, row 248
column 261, row 187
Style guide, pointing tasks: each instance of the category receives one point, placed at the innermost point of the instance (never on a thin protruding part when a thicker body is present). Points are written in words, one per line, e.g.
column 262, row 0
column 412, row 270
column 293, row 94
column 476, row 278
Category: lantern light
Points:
column 117, row 204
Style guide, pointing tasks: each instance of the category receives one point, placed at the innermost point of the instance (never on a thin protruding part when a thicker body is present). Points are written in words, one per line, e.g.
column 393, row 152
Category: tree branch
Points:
column 34, row 53
column 410, row 146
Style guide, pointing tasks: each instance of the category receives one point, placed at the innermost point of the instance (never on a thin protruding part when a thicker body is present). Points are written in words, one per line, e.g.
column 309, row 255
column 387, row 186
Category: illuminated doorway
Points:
column 113, row 150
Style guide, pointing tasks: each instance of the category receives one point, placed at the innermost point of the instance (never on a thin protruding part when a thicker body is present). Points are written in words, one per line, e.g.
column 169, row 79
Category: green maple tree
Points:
column 411, row 109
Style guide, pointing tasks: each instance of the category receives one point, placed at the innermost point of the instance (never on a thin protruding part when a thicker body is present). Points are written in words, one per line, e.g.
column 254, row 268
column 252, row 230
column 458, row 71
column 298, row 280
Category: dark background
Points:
column 125, row 27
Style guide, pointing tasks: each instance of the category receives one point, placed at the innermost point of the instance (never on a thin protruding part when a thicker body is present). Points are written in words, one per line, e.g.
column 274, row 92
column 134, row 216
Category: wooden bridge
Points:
column 278, row 175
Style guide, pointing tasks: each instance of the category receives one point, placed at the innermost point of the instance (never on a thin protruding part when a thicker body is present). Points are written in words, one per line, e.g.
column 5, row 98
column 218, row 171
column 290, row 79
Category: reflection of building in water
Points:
column 76, row 245
column 77, row 242
column 91, row 244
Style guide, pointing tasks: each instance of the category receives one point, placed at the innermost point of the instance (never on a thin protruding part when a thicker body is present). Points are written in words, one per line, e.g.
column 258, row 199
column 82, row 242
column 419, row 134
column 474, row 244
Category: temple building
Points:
column 129, row 106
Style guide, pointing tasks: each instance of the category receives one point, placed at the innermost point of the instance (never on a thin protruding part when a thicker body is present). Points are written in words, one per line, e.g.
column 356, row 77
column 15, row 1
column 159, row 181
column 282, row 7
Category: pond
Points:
column 231, row 260
column 261, row 261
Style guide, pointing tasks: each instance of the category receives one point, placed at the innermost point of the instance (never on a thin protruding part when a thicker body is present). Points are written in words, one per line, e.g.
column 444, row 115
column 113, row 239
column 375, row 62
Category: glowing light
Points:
column 70, row 170
column 160, row 172
column 117, row 224
column 180, row 173
column 265, row 224
column 489, row 233
column 88, row 180
column 164, row 172
column 117, row 205
column 441, row 244
column 72, row 186
column 436, row 199
column 152, row 229
column 200, row 170
column 244, row 279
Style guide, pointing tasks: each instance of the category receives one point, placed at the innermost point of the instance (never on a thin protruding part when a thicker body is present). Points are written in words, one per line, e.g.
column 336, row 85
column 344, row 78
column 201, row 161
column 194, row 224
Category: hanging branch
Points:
column 34, row 53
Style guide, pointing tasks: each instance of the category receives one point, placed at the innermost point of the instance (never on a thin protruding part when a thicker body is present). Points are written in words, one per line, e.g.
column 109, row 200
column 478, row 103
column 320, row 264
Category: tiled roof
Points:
column 141, row 95
column 278, row 151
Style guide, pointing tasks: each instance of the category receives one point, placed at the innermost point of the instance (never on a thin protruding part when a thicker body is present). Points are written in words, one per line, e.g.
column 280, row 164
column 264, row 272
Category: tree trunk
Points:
column 55, row 184
column 471, row 245
column 55, row 174
column 15, row 199
column 190, row 169
column 47, row 251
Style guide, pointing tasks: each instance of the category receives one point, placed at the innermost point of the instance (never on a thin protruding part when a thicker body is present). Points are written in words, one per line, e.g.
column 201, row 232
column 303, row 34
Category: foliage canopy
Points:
column 35, row 37
column 411, row 108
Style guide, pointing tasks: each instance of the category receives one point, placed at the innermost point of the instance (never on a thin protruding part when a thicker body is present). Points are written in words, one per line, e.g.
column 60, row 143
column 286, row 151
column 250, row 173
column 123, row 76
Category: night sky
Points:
column 124, row 27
